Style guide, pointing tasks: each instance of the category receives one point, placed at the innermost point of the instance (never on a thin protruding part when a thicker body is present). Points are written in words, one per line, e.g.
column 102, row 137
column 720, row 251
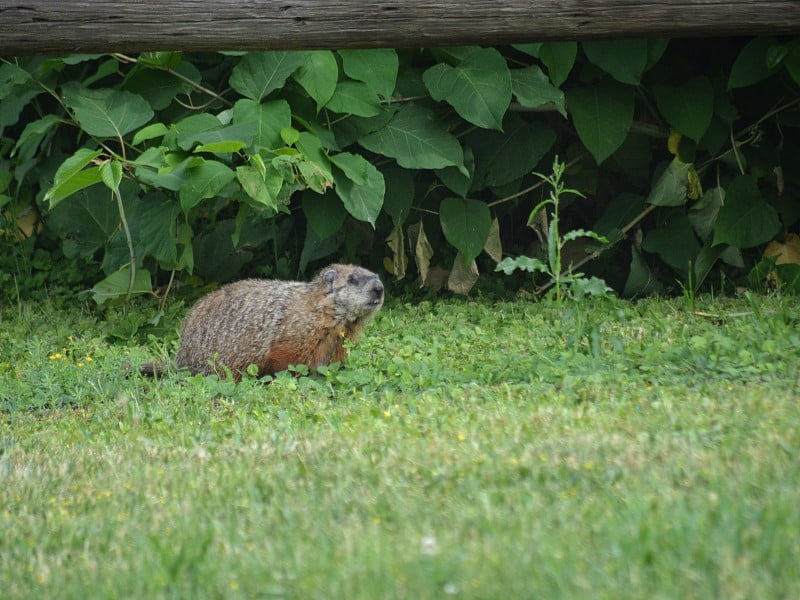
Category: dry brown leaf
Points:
column 787, row 252
column 494, row 247
column 423, row 252
column 399, row 260
column 462, row 277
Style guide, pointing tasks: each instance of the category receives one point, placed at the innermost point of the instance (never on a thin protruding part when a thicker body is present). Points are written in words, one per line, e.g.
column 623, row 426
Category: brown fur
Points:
column 273, row 324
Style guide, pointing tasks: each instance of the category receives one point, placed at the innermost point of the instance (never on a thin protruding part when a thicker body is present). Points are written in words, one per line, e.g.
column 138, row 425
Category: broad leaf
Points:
column 479, row 88
column 105, row 112
column 71, row 177
column 675, row 243
column 503, row 158
column 641, row 281
column 602, row 116
column 533, row 89
column 417, row 140
column 466, row 224
column 558, row 57
column 86, row 222
column 399, row 193
column 745, row 219
column 318, row 76
column 362, row 201
column 671, row 187
column 355, row 98
column 118, row 285
column 324, row 212
column 156, row 130
column 265, row 121
column 260, row 73
column 624, row 60
column 205, row 181
column 377, row 67
column 751, row 65
column 688, row 108
column 32, row 136
column 355, row 167
column 262, row 190
column 111, row 174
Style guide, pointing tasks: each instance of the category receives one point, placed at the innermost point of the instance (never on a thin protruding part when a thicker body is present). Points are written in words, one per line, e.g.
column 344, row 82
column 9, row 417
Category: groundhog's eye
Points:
column 352, row 279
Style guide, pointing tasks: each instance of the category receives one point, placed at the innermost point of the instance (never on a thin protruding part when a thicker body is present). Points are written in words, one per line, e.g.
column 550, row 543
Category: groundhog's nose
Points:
column 377, row 289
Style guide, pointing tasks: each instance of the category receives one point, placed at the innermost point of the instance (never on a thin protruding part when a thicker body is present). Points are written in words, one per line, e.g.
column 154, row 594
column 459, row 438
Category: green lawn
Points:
column 468, row 449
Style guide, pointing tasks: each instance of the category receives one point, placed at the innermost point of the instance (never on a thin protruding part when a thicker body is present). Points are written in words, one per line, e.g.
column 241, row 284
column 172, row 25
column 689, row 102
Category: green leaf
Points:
column 316, row 168
column 624, row 60
column 524, row 263
column 205, row 181
column 675, row 243
column 354, row 98
column 362, row 201
column 688, row 108
column 704, row 262
column 170, row 177
column 71, row 176
column 318, row 76
column 575, row 234
column 118, row 285
column 399, row 193
column 704, row 214
column 190, row 129
column 324, row 212
column 479, row 88
column 417, row 140
column 751, row 65
column 264, row 191
column 32, row 136
column 86, row 222
column 745, row 219
column 105, row 112
column 671, row 187
column 111, row 174
column 602, row 116
column 264, row 120
column 260, row 73
column 221, row 147
column 156, row 130
column 503, row 158
column 354, row 166
column 377, row 67
column 466, row 224
column 559, row 58
column 640, row 281
column 454, row 179
column 533, row 89
column 158, row 231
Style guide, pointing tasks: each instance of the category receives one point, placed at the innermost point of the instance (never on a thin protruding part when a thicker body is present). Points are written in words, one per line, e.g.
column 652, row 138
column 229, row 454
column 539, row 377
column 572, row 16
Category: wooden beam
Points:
column 72, row 26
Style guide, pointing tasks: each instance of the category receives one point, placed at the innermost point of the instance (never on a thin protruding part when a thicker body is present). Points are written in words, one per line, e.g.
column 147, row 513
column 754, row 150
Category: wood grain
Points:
column 64, row 26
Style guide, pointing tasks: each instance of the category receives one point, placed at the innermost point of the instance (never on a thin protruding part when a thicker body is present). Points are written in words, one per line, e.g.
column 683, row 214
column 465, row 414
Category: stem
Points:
column 128, row 237
column 531, row 188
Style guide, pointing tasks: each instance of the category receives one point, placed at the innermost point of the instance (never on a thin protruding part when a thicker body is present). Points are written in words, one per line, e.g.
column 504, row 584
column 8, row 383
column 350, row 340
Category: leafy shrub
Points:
column 216, row 165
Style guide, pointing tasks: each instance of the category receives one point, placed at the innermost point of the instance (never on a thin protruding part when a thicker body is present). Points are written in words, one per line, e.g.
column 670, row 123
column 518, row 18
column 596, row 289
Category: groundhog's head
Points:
column 357, row 293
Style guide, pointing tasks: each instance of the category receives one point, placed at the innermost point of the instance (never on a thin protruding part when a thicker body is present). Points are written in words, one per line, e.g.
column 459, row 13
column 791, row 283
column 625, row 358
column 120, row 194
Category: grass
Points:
column 468, row 449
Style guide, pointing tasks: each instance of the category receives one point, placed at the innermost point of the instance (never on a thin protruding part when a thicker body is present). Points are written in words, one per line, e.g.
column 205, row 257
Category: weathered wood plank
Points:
column 68, row 26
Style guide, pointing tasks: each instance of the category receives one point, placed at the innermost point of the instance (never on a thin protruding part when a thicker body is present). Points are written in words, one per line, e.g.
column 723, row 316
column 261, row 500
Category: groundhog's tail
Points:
column 155, row 368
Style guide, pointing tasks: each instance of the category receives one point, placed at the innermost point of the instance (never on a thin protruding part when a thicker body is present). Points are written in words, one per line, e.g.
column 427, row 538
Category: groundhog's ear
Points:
column 329, row 277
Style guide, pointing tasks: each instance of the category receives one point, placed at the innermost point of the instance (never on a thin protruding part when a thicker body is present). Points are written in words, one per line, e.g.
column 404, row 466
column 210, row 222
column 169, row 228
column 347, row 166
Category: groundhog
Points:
column 273, row 324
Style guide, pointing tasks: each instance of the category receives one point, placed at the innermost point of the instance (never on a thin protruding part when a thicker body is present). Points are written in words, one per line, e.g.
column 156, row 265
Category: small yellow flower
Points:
column 461, row 437
column 89, row 358
column 387, row 413
column 80, row 364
